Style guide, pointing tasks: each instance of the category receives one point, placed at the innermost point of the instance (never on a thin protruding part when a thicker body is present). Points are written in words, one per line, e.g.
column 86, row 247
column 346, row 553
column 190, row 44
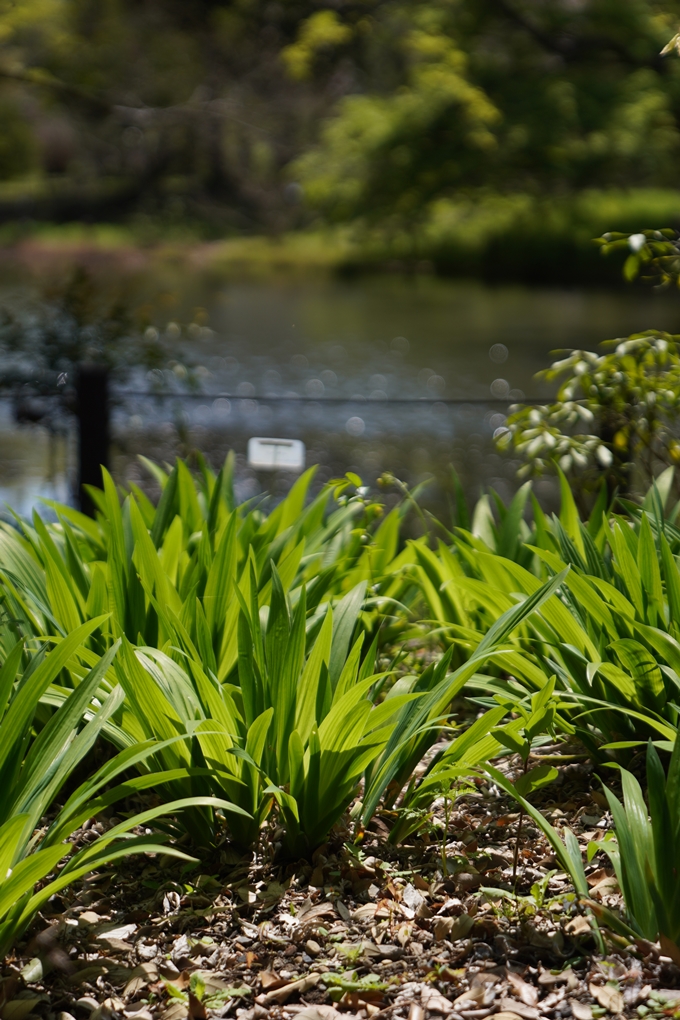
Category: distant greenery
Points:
column 520, row 236
column 503, row 95
column 243, row 116
column 496, row 237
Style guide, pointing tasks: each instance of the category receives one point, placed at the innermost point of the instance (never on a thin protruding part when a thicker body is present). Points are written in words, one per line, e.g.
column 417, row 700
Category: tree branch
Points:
column 574, row 48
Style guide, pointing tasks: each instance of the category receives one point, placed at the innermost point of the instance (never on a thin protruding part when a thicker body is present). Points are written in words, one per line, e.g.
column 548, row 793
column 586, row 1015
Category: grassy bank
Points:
column 523, row 238
column 514, row 237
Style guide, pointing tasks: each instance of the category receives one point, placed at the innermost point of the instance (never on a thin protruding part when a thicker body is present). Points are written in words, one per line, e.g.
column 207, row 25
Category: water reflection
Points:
column 350, row 348
column 34, row 465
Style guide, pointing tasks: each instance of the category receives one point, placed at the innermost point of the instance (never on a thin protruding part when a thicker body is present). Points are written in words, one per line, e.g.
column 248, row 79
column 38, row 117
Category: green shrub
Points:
column 645, row 851
column 612, row 632
column 35, row 763
column 248, row 646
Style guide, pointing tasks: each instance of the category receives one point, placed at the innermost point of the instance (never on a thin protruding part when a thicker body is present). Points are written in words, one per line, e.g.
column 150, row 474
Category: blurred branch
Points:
column 133, row 114
column 574, row 48
column 45, row 80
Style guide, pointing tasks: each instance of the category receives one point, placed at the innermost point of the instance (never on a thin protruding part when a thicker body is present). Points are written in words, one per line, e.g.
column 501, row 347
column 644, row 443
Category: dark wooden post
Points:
column 93, row 421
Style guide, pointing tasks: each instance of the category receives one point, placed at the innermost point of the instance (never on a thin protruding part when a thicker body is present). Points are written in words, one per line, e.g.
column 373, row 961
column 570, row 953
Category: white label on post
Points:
column 276, row 454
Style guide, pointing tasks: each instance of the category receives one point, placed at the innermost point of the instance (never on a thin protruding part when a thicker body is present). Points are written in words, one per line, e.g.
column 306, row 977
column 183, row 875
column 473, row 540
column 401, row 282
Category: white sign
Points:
column 276, row 454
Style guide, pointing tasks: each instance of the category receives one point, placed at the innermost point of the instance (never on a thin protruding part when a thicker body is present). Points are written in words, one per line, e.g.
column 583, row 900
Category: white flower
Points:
column 565, row 462
column 604, row 456
column 557, row 366
column 636, row 242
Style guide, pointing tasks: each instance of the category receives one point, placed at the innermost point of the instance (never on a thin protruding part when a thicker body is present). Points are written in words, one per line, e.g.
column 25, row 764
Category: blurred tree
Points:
column 509, row 95
column 379, row 106
column 17, row 144
column 186, row 109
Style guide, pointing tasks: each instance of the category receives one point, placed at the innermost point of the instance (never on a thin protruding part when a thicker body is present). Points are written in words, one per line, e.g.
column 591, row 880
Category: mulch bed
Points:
column 364, row 929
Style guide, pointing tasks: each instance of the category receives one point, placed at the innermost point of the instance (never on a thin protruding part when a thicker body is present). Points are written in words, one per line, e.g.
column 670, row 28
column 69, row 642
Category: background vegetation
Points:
column 445, row 130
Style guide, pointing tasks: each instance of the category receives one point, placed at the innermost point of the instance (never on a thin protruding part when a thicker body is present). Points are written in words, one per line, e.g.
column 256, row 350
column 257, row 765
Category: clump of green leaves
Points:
column 615, row 412
column 652, row 254
column 350, row 981
column 611, row 633
column 529, row 903
column 645, row 852
column 204, row 990
column 35, row 762
column 567, row 850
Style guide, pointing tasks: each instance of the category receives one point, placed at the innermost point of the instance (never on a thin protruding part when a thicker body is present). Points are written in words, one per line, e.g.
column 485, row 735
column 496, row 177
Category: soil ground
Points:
column 434, row 928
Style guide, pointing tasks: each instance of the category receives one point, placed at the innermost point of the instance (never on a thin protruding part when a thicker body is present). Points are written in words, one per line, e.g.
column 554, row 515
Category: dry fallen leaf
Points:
column 547, row 977
column 413, row 991
column 608, row 996
column 578, row 926
column 605, row 887
column 438, row 1004
column 320, row 1012
column 383, row 910
column 527, row 993
column 581, row 1010
column 281, row 995
column 145, row 974
column 20, row 1006
column 366, row 912
column 271, row 980
column 669, row 948
column 342, row 910
column 87, row 918
column 196, row 1009
column 453, row 928
column 117, row 933
column 175, row 1010
column 596, row 876
column 521, row 1008
column 475, row 997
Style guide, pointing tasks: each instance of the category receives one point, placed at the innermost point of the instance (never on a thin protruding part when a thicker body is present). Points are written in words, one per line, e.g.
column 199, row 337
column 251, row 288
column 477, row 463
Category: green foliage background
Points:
column 440, row 120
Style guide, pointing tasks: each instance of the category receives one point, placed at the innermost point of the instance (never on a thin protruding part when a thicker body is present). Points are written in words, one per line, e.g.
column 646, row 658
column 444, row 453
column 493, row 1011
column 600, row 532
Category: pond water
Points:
column 380, row 362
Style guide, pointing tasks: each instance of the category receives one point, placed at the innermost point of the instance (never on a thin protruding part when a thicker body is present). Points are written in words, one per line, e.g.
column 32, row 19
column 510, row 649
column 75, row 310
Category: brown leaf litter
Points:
column 430, row 929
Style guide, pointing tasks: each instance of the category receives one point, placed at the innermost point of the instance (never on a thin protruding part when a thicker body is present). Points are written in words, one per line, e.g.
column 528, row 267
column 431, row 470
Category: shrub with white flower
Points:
column 652, row 255
column 614, row 414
